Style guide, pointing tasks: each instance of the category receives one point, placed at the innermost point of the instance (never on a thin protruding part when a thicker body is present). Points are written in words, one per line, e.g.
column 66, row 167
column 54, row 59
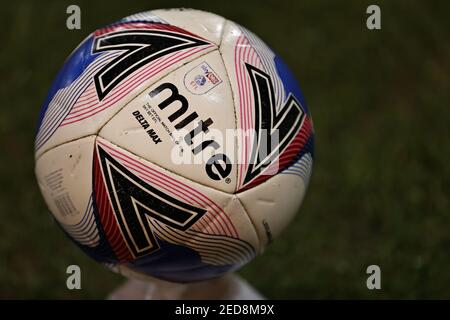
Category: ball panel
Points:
column 65, row 180
column 269, row 107
column 271, row 205
column 146, row 16
column 63, row 174
column 157, row 125
column 269, row 104
column 106, row 72
column 205, row 24
column 172, row 228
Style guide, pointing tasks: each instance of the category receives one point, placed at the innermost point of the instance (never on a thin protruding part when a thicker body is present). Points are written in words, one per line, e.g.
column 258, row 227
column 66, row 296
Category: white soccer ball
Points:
column 175, row 144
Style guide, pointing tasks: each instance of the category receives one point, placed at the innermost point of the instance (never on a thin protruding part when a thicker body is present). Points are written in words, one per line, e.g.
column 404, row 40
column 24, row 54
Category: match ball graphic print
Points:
column 174, row 144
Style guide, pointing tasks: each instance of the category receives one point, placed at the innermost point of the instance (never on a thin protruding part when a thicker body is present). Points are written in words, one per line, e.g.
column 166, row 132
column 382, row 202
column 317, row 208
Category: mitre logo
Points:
column 218, row 166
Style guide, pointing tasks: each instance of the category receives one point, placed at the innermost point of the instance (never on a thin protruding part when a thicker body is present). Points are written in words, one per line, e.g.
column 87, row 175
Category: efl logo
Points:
column 201, row 79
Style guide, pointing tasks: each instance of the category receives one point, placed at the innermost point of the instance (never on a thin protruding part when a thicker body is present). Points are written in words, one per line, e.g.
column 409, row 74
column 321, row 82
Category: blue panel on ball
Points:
column 289, row 82
column 179, row 264
column 73, row 67
column 101, row 251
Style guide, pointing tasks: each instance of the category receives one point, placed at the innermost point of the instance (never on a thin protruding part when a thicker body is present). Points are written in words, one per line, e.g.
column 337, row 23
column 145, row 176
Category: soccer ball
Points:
column 174, row 144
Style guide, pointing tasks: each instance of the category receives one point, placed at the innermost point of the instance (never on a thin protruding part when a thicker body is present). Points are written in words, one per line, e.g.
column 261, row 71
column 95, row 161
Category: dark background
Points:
column 380, row 189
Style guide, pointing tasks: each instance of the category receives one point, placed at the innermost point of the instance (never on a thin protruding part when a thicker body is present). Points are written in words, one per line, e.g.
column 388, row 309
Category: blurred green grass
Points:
column 380, row 187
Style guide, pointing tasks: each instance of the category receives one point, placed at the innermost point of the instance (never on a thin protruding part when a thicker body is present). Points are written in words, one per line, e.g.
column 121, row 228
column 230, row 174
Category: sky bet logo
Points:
column 201, row 79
